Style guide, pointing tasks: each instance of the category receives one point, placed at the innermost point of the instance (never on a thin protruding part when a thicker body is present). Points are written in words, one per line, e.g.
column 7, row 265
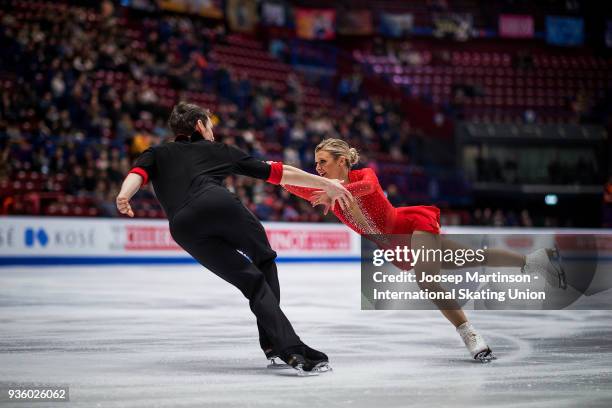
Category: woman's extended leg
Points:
column 538, row 262
column 474, row 342
column 449, row 308
column 492, row 256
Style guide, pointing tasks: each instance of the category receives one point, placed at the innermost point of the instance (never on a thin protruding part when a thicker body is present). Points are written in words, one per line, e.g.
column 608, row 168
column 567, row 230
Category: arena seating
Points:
column 501, row 91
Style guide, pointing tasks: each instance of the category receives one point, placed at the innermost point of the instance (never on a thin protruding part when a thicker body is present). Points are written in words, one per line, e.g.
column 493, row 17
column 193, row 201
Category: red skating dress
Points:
column 381, row 217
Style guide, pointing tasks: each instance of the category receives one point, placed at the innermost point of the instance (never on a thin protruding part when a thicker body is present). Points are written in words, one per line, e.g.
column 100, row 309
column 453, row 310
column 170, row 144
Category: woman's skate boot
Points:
column 475, row 344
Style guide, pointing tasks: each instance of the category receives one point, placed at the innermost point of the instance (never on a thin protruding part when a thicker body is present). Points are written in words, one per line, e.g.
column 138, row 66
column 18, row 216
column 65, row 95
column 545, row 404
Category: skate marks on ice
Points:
column 179, row 336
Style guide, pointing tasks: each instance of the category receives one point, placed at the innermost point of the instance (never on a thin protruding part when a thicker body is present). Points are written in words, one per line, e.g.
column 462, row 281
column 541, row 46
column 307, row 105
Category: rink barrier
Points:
column 106, row 241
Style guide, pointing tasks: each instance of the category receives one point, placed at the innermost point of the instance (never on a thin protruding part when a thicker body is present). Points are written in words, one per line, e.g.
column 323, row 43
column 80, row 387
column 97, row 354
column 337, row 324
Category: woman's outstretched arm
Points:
column 334, row 188
column 279, row 173
column 304, row 192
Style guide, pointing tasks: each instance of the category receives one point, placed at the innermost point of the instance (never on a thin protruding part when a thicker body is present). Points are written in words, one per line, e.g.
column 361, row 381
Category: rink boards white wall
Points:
column 58, row 240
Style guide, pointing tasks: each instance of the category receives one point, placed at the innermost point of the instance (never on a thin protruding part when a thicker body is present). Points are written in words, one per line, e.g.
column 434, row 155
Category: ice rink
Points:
column 165, row 336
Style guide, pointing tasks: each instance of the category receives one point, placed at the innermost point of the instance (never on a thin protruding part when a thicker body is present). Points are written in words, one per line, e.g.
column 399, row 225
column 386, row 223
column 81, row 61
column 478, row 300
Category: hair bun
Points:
column 339, row 148
column 353, row 156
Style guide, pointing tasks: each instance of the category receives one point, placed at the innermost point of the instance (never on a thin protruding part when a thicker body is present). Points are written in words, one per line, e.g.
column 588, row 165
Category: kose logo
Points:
column 32, row 235
column 60, row 238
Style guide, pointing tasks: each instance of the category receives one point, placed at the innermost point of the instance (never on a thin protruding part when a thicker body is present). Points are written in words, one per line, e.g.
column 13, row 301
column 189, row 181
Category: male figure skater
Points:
column 212, row 225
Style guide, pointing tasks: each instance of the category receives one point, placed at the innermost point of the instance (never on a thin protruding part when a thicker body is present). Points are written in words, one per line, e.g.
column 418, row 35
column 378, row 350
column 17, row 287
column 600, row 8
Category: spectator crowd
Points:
column 84, row 91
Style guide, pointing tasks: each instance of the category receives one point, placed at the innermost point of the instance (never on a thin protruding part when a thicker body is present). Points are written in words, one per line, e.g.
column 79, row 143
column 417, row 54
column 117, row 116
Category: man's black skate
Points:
column 314, row 355
column 295, row 357
column 318, row 358
column 274, row 365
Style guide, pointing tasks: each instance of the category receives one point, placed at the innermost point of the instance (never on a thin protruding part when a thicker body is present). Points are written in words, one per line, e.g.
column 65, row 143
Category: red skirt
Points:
column 417, row 218
column 408, row 219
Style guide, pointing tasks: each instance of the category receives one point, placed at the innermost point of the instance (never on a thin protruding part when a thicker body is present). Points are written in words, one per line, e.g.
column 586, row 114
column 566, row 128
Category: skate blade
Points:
column 555, row 260
column 303, row 373
column 278, row 366
column 485, row 356
column 322, row 367
column 319, row 368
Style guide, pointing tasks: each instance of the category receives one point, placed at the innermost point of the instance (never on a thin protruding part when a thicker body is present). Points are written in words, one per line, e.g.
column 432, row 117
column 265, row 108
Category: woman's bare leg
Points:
column 449, row 308
column 473, row 341
column 492, row 256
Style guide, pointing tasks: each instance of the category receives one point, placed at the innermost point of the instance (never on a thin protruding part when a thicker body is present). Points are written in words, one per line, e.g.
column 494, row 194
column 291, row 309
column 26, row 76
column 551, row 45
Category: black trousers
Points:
column 212, row 228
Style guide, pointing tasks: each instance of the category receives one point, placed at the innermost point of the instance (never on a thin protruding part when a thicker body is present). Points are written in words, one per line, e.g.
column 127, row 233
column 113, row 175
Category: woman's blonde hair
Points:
column 339, row 148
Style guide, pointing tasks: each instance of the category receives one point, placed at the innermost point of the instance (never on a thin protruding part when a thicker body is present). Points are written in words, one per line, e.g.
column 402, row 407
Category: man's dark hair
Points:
column 184, row 117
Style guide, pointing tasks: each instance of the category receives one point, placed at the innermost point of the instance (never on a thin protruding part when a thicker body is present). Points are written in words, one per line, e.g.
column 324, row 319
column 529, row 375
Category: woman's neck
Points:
column 345, row 176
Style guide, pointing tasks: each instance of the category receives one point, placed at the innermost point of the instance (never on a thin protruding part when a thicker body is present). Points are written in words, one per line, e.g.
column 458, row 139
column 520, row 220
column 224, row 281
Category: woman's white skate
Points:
column 547, row 264
column 475, row 343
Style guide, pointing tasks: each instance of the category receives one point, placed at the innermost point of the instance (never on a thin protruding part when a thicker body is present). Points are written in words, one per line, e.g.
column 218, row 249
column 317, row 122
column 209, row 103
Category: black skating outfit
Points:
column 212, row 225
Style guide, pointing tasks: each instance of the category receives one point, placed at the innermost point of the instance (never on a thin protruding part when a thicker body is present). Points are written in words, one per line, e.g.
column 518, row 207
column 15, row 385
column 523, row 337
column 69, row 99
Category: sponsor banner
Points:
column 516, row 26
column 241, row 15
column 205, row 8
column 355, row 22
column 566, row 31
column 456, row 26
column 70, row 240
column 52, row 237
column 315, row 24
column 396, row 25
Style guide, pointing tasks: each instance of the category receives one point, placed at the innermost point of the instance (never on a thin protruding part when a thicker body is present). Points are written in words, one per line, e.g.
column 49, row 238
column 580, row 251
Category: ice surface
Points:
column 181, row 337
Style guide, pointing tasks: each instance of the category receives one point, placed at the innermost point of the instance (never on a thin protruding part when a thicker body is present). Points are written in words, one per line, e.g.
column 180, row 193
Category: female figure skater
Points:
column 213, row 226
column 372, row 213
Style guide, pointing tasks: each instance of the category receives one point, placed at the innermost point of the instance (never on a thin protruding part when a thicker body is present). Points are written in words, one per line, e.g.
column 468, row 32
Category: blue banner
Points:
column 566, row 31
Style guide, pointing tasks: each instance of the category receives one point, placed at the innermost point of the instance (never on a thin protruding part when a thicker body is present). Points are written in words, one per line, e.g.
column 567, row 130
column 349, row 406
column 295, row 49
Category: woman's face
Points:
column 329, row 167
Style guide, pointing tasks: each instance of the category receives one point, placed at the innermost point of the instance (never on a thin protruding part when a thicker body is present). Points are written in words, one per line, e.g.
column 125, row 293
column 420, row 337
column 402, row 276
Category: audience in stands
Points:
column 81, row 98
